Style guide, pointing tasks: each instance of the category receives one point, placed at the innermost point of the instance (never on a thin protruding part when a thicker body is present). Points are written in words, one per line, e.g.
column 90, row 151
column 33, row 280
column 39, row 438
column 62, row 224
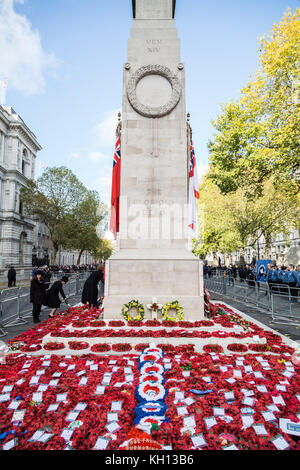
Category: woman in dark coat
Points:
column 53, row 300
column 90, row 289
column 37, row 295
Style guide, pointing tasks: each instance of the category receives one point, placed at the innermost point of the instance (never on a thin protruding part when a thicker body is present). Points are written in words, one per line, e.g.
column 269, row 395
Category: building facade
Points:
column 18, row 151
column 283, row 250
column 24, row 241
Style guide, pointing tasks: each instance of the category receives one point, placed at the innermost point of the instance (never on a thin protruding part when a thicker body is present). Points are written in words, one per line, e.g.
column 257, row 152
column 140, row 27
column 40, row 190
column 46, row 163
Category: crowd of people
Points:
column 50, row 271
column 42, row 294
column 278, row 277
column 65, row 269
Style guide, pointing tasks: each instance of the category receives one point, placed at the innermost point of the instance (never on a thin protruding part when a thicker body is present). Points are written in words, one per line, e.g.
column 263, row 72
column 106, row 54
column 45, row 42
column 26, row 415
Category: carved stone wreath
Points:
column 158, row 111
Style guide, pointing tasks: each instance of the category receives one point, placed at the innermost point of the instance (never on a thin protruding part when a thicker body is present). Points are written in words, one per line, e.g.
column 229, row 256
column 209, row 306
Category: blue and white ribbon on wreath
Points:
column 154, row 377
column 150, row 410
column 151, row 392
column 155, row 349
column 147, row 421
column 148, row 368
column 146, row 357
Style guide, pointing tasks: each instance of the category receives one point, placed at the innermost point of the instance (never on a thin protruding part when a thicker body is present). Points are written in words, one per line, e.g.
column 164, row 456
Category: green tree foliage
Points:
column 257, row 137
column 66, row 207
column 103, row 250
column 233, row 221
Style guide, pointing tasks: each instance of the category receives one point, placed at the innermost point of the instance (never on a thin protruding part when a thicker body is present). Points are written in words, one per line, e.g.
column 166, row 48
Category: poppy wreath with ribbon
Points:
column 149, row 409
column 150, row 357
column 174, row 305
column 149, row 391
column 158, row 378
column 148, row 368
column 127, row 308
column 152, row 419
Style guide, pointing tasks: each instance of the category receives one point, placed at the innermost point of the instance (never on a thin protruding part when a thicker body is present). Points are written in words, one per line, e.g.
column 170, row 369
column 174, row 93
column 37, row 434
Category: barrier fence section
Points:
column 15, row 306
column 280, row 301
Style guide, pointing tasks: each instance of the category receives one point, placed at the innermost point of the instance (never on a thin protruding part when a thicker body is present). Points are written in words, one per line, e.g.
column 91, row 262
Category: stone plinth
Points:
column 174, row 278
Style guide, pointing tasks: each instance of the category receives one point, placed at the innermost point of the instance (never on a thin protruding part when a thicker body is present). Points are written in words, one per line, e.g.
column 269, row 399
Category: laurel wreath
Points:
column 126, row 309
column 174, row 305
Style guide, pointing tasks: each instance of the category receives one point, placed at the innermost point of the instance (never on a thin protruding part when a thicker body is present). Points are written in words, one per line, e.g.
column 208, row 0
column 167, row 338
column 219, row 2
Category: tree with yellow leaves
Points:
column 258, row 136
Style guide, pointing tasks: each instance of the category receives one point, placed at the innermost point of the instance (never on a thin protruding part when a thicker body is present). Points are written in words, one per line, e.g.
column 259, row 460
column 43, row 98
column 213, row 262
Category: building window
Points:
column 25, row 154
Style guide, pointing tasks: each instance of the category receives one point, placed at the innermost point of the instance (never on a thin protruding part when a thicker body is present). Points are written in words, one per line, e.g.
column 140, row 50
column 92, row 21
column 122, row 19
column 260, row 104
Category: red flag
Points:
column 115, row 189
column 193, row 193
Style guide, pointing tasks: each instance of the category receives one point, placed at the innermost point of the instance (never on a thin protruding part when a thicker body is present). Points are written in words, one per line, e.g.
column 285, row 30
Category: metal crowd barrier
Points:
column 291, row 316
column 15, row 306
column 276, row 300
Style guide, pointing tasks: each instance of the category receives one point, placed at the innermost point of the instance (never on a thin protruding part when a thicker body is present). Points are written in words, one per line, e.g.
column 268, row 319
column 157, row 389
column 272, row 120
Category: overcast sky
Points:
column 63, row 62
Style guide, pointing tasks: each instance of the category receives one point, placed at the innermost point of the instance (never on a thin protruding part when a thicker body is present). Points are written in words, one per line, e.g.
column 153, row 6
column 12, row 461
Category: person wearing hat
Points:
column 37, row 295
column 53, row 300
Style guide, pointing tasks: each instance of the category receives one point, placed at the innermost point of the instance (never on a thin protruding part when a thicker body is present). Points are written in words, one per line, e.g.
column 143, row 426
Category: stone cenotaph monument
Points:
column 153, row 259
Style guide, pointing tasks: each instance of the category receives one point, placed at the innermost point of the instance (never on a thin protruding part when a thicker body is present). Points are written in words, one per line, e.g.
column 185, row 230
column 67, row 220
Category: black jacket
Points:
column 90, row 288
column 11, row 275
column 53, row 299
column 37, row 292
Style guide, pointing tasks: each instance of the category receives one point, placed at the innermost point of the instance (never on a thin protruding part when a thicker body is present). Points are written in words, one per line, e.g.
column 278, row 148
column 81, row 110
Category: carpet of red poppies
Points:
column 215, row 400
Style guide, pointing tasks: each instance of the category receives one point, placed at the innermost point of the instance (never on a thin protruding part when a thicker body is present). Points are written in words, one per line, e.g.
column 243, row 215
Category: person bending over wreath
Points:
column 90, row 288
column 53, row 300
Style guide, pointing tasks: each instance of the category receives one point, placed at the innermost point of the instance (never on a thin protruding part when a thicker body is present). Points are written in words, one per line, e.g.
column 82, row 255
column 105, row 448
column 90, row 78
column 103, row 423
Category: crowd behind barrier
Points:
column 50, row 272
column 284, row 275
column 277, row 298
column 15, row 306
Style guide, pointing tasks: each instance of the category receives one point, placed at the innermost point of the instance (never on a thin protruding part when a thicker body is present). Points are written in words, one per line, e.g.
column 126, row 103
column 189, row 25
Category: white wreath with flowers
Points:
column 149, row 391
column 156, row 378
column 149, row 368
column 150, row 357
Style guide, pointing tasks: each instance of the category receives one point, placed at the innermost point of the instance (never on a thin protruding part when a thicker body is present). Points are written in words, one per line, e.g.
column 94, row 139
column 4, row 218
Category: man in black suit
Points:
column 11, row 277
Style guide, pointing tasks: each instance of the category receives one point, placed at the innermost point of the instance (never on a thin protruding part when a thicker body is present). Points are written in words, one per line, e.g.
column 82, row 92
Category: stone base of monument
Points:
column 166, row 278
column 193, row 306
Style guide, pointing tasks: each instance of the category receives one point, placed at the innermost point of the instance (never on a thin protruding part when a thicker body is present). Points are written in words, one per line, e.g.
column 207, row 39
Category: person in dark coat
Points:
column 37, row 295
column 90, row 288
column 11, row 277
column 251, row 279
column 53, row 300
column 47, row 276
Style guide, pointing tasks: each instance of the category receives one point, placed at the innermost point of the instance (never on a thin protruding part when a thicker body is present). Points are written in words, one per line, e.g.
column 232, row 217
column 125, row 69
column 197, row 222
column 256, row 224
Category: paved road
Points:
column 14, row 331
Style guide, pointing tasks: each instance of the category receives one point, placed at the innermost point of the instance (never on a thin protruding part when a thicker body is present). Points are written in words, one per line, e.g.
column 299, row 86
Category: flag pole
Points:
column 3, row 92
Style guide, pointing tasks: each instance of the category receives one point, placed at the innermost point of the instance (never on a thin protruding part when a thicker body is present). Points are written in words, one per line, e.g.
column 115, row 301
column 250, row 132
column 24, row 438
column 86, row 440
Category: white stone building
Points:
column 23, row 239
column 283, row 250
column 18, row 150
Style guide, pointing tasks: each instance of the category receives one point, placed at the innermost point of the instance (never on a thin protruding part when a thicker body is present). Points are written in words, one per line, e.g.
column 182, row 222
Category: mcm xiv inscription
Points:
column 153, row 45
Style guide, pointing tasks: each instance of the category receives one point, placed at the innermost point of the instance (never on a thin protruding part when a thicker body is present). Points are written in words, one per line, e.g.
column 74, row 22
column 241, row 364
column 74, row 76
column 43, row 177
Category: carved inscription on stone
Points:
column 153, row 45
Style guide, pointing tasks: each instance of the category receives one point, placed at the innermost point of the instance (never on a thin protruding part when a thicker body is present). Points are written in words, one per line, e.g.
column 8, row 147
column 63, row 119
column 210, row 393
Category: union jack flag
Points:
column 193, row 192
column 115, row 189
column 117, row 154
